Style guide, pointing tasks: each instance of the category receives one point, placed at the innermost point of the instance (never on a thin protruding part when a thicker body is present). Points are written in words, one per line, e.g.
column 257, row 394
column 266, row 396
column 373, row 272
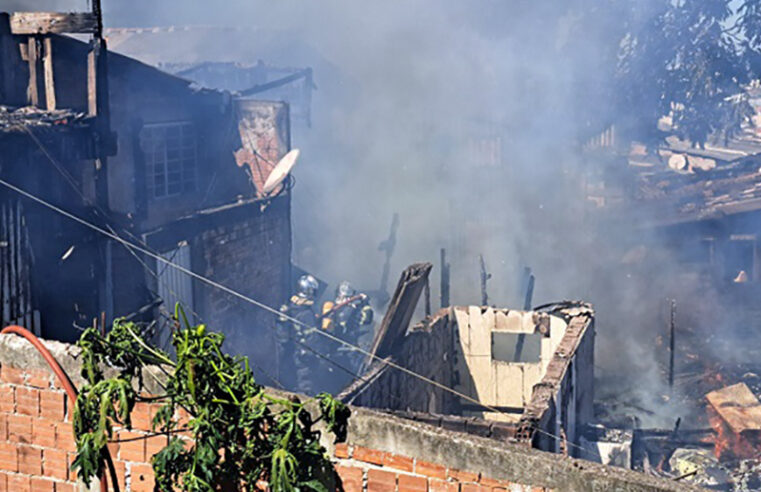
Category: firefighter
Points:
column 301, row 308
column 345, row 317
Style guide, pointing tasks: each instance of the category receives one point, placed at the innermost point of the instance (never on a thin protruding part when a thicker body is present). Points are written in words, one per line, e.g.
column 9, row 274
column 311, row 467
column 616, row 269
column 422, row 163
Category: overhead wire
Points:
column 270, row 309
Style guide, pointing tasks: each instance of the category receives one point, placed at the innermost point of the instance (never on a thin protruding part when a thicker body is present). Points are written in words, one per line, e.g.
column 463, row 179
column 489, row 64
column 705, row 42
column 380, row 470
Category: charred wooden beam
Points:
column 53, row 23
column 47, row 64
column 32, row 55
column 444, row 288
column 400, row 310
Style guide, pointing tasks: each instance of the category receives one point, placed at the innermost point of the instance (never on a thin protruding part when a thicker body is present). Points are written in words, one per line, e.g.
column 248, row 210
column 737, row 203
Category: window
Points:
column 516, row 347
column 739, row 258
column 170, row 158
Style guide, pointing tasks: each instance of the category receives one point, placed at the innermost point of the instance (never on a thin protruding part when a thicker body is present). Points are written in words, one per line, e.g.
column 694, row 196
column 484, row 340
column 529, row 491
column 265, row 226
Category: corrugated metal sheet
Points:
column 174, row 285
column 16, row 299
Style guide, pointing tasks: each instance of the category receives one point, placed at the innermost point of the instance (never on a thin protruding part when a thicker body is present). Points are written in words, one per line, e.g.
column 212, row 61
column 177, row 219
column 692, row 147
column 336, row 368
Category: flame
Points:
column 727, row 444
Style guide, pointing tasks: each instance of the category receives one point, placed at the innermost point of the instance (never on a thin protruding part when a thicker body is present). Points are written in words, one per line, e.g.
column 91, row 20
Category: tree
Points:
column 241, row 434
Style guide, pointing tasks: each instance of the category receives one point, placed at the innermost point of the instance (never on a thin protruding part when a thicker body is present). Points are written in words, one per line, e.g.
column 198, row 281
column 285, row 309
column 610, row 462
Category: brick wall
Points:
column 371, row 470
column 37, row 444
column 426, row 350
column 382, row 453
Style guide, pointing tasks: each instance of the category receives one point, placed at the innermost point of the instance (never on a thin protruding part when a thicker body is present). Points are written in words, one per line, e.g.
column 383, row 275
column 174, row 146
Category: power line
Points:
column 265, row 307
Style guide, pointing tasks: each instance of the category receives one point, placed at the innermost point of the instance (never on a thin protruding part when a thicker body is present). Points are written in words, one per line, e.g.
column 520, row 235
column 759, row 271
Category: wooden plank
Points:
column 53, row 22
column 92, row 83
column 738, row 406
column 47, row 63
column 397, row 319
column 32, row 91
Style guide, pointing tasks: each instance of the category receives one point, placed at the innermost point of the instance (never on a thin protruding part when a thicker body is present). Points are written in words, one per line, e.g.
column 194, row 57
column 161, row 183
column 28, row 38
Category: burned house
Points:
column 526, row 375
column 212, row 64
column 152, row 159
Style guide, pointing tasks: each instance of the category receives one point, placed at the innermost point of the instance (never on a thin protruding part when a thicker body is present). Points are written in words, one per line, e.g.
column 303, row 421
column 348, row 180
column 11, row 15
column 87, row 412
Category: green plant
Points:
column 239, row 435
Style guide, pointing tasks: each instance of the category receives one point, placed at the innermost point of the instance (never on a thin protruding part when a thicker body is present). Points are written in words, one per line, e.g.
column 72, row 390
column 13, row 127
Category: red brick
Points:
column 7, row 398
column 430, row 469
column 133, row 450
column 473, row 487
column 435, row 485
column 66, row 487
column 64, row 435
column 70, row 457
column 8, row 457
column 351, row 478
column 3, row 482
column 43, row 433
column 3, row 427
column 409, row 483
column 121, row 474
column 490, row 482
column 463, row 476
column 28, row 401
column 11, row 375
column 29, row 460
column 113, row 449
column 153, row 445
column 20, row 428
column 342, row 450
column 55, row 464
column 368, row 455
column 53, row 404
column 142, row 478
column 19, row 483
column 38, row 378
column 40, row 484
column 398, row 462
column 142, row 416
column 381, row 481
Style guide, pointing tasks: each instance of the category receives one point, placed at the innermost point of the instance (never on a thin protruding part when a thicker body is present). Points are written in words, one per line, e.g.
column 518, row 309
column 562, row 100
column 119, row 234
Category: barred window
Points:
column 170, row 158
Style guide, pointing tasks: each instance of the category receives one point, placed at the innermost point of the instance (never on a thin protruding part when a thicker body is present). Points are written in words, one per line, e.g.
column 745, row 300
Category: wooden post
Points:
column 32, row 92
column 444, row 288
column 672, row 330
column 529, row 294
column 427, row 294
column 47, row 63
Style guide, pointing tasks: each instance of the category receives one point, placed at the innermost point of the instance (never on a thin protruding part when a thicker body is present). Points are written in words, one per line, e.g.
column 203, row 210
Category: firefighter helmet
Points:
column 345, row 290
column 307, row 286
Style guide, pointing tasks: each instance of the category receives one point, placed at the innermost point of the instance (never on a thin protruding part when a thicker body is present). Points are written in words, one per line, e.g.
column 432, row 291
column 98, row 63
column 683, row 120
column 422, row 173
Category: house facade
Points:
column 178, row 171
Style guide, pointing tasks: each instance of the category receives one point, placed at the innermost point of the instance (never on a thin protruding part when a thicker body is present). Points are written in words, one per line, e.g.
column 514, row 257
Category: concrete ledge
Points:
column 494, row 459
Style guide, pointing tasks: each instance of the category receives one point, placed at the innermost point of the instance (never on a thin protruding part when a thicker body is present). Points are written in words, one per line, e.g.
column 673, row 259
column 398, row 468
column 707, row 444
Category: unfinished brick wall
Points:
column 364, row 469
column 427, row 350
column 37, row 444
column 253, row 257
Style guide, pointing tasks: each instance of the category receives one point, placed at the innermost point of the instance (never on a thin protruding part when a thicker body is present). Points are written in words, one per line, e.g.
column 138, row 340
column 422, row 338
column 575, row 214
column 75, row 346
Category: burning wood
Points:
column 735, row 414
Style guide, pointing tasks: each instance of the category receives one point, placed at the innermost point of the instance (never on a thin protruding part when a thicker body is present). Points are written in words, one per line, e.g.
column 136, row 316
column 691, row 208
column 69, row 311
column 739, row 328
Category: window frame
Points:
column 186, row 149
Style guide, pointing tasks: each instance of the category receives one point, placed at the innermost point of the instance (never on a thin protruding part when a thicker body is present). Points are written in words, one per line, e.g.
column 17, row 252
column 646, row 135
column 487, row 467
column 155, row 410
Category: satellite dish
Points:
column 280, row 171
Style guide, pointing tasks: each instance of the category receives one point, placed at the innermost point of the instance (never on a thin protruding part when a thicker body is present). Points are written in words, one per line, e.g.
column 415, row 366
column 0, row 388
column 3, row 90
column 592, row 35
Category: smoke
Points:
column 464, row 118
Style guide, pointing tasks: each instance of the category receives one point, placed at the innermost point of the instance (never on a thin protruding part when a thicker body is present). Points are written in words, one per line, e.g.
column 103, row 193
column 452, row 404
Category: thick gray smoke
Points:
column 463, row 117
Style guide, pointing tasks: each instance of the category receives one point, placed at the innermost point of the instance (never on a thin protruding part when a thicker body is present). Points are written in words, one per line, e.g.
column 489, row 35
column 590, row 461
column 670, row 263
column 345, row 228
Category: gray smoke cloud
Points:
column 464, row 118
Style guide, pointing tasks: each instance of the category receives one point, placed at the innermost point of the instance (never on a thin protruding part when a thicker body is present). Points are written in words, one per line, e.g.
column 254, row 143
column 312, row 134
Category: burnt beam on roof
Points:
column 53, row 23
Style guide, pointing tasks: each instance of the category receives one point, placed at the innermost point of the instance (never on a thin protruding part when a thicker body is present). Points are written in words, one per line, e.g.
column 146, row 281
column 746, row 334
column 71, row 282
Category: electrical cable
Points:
column 267, row 308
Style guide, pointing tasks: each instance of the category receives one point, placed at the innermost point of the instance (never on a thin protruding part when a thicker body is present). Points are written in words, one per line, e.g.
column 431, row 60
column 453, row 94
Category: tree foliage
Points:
column 240, row 434
column 691, row 60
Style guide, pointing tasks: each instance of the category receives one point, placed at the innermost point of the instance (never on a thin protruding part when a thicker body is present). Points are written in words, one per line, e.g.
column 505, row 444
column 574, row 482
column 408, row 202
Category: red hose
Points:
column 71, row 391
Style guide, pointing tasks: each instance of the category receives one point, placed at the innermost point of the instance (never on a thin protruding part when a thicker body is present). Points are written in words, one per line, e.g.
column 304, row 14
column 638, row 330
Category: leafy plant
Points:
column 235, row 435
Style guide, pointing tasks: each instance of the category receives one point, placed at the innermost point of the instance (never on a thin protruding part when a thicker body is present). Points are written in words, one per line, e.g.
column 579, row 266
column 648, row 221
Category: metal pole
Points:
column 672, row 330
